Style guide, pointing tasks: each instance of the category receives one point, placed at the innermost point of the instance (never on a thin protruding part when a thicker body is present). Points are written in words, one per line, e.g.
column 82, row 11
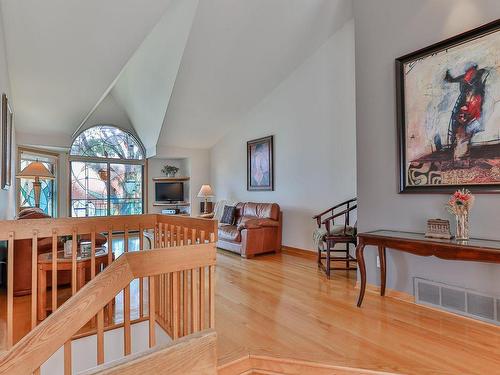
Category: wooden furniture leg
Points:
column 42, row 293
column 362, row 270
column 329, row 245
column 381, row 254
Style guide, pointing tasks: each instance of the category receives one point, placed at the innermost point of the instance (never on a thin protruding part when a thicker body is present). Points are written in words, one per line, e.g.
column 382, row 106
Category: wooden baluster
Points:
column 156, row 234
column 37, row 371
column 74, row 246
column 211, row 297
column 67, row 358
column 161, row 287
column 179, row 236
column 126, row 306
column 92, row 263
column 152, row 318
column 92, row 254
column 212, row 237
column 54, row 270
column 34, row 278
column 173, row 239
column 175, row 303
column 185, row 300
column 141, row 280
column 126, row 320
column 202, row 237
column 110, row 259
column 195, row 327
column 160, row 236
column 10, row 291
column 100, row 337
column 186, row 236
column 193, row 236
column 169, row 301
column 201, row 303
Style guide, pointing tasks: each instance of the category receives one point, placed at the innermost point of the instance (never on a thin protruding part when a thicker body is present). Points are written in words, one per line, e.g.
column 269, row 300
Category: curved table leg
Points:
column 381, row 254
column 362, row 270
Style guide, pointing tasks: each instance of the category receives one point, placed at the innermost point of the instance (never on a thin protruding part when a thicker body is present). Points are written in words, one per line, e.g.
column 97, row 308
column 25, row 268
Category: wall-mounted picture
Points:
column 6, row 144
column 260, row 173
column 449, row 114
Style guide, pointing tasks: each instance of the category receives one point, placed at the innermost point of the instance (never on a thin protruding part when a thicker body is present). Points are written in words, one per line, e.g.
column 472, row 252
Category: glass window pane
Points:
column 27, row 194
column 126, row 189
column 107, row 142
column 89, row 192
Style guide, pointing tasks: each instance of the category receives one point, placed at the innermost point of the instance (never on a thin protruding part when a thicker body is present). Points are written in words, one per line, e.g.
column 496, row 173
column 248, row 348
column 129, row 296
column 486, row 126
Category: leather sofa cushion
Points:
column 247, row 222
column 262, row 210
column 229, row 232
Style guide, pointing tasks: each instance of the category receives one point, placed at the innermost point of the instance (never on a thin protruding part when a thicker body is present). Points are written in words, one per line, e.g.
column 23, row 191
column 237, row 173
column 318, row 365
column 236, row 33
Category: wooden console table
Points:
column 474, row 250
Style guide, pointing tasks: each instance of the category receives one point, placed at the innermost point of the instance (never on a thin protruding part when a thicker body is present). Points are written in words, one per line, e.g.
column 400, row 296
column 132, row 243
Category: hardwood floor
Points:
column 281, row 305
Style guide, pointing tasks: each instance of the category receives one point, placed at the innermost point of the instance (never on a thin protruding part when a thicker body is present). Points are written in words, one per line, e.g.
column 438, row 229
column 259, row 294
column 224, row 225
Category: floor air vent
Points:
column 457, row 300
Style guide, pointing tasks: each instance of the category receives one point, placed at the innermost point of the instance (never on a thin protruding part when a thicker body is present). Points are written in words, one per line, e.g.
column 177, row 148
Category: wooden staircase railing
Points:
column 141, row 231
column 57, row 330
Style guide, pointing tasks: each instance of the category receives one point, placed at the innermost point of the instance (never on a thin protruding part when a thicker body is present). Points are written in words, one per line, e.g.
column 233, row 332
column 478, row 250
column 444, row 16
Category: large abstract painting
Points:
column 260, row 164
column 449, row 114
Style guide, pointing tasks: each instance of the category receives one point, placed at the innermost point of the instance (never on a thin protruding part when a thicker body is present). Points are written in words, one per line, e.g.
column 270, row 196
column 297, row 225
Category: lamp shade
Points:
column 34, row 170
column 205, row 191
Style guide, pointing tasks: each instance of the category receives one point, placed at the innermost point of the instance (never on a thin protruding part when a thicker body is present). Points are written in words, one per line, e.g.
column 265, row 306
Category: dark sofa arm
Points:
column 257, row 223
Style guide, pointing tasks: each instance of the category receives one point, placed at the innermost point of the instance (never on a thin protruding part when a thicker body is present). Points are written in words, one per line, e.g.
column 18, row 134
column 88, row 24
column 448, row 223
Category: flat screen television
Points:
column 169, row 192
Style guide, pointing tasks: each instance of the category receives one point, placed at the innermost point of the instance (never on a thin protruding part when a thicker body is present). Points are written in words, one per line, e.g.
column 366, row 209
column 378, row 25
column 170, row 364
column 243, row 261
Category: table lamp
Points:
column 205, row 192
column 36, row 171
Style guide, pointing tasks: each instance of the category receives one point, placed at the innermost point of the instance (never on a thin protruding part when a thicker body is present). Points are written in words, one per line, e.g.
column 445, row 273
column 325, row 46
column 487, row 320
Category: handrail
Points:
column 37, row 346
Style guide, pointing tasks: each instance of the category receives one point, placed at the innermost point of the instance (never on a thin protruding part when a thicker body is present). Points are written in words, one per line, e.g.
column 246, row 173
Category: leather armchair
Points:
column 256, row 230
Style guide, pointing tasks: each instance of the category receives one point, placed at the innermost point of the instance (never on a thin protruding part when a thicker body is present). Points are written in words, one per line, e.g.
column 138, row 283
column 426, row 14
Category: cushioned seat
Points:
column 337, row 230
column 229, row 232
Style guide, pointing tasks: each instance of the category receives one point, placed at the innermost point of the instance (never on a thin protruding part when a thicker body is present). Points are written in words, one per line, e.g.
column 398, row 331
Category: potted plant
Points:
column 170, row 170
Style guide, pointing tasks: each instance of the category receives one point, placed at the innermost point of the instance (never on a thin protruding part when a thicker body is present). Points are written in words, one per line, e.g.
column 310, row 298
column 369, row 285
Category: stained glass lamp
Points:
column 36, row 171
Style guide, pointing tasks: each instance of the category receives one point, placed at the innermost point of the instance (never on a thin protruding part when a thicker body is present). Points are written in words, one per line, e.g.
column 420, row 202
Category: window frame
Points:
column 108, row 162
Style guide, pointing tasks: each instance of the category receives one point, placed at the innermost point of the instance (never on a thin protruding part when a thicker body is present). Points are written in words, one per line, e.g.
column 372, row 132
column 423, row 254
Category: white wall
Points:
column 7, row 197
column 84, row 349
column 385, row 30
column 312, row 117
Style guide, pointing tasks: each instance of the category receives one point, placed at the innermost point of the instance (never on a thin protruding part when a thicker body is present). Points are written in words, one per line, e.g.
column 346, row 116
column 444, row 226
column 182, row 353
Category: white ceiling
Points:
column 237, row 52
column 63, row 54
column 184, row 82
column 145, row 85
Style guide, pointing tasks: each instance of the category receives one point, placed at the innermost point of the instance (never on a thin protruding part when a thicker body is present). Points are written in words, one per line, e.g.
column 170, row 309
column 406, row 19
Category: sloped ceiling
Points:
column 63, row 54
column 144, row 87
column 237, row 52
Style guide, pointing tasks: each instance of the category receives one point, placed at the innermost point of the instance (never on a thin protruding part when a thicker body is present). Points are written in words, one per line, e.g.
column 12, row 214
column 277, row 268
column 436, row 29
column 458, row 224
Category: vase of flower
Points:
column 459, row 205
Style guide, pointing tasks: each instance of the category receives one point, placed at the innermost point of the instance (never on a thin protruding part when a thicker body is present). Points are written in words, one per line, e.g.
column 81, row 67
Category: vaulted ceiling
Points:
column 182, row 71
column 63, row 54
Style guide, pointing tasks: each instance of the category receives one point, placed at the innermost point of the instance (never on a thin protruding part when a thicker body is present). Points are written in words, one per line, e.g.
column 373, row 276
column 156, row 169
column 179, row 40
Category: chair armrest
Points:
column 257, row 223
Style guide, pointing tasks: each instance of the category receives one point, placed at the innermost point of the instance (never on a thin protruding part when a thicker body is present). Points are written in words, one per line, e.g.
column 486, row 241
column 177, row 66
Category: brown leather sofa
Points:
column 256, row 230
column 22, row 255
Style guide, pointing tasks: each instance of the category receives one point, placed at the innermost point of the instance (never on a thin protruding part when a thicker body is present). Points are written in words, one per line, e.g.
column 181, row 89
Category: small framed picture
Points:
column 260, row 166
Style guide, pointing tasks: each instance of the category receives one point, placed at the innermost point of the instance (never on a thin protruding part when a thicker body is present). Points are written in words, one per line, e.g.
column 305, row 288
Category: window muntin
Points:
column 105, row 141
column 101, row 186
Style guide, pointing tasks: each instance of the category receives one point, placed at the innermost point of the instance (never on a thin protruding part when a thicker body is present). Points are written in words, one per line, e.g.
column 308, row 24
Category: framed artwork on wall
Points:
column 260, row 166
column 448, row 101
column 6, row 144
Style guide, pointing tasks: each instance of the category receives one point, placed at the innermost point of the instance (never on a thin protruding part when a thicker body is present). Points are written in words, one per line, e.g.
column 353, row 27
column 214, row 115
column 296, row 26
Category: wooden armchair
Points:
column 333, row 234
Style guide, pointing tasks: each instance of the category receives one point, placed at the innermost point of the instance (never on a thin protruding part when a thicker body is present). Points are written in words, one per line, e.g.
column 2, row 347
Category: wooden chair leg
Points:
column 328, row 245
column 347, row 255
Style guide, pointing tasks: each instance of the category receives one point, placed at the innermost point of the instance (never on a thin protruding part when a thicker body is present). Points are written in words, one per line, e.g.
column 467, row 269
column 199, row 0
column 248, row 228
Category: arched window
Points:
column 107, row 168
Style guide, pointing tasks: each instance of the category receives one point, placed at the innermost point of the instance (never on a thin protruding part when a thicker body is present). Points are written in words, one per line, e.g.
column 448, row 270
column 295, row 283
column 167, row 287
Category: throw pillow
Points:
column 228, row 215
